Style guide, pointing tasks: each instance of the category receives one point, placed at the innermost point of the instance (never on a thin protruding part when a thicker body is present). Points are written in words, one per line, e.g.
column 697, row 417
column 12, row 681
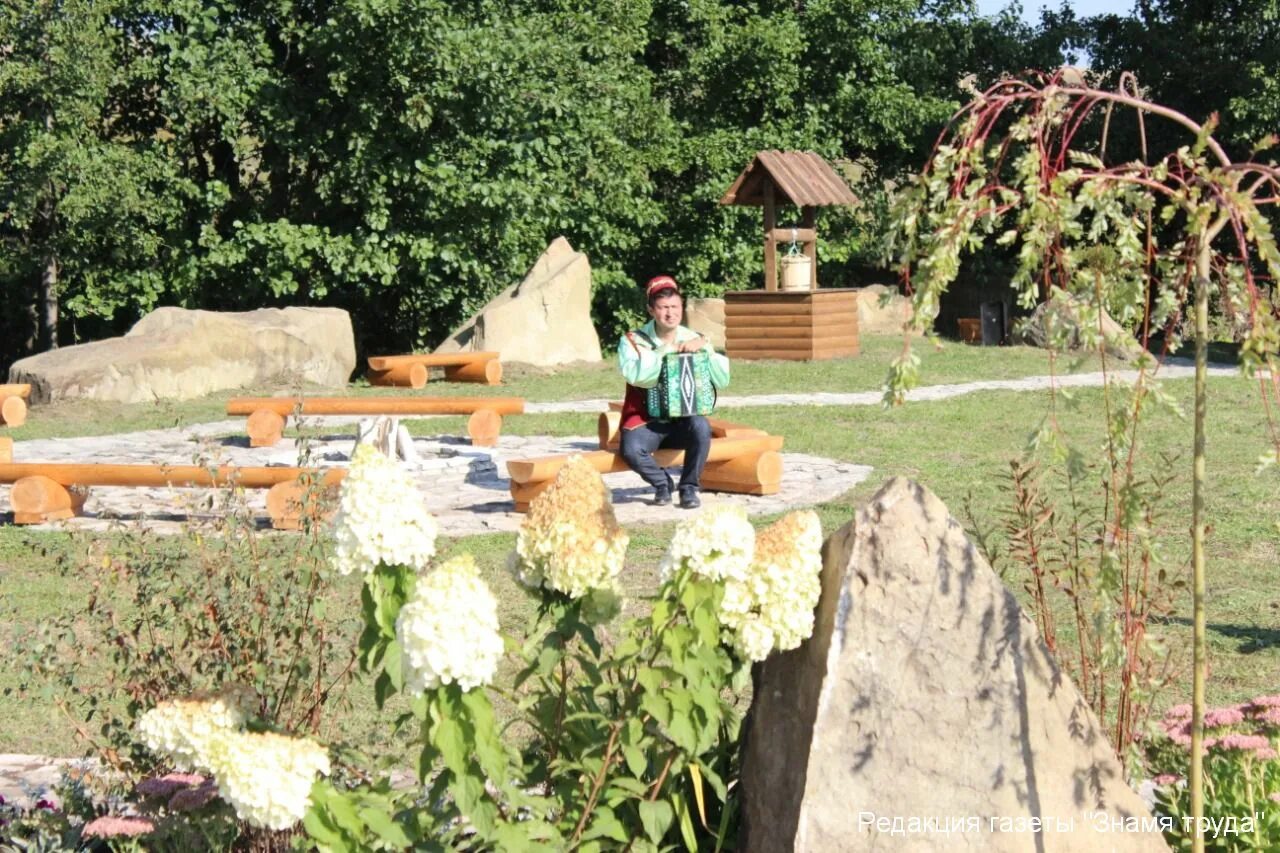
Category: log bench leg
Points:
column 38, row 499
column 288, row 502
column 265, row 428
column 749, row 474
column 400, row 376
column 13, row 411
column 488, row 372
column 483, row 426
column 6, row 450
column 757, row 473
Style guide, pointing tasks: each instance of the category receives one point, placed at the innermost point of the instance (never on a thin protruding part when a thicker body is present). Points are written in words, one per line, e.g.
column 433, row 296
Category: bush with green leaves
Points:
column 613, row 738
column 217, row 604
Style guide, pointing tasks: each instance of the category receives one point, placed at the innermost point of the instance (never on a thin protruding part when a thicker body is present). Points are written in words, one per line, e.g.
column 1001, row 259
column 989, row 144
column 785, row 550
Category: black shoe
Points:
column 689, row 499
column 661, row 497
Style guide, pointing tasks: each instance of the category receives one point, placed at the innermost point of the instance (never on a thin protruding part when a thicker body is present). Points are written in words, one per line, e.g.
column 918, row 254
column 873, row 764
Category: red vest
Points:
column 635, row 407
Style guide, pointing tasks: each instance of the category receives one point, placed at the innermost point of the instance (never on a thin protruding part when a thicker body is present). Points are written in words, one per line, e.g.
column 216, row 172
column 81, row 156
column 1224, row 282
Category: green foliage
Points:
column 632, row 741
column 408, row 159
column 1198, row 61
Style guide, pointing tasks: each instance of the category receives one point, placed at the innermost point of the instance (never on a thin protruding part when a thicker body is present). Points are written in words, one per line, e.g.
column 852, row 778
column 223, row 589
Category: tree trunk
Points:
column 1195, row 778
column 49, row 301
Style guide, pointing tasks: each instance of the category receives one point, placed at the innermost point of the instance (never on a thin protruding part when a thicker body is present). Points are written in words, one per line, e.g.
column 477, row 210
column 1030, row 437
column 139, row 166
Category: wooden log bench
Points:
column 749, row 465
column 13, row 404
column 609, row 426
column 50, row 491
column 411, row 371
column 267, row 415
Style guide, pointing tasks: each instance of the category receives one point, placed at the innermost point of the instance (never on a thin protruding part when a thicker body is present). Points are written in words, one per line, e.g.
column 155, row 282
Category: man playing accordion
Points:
column 672, row 376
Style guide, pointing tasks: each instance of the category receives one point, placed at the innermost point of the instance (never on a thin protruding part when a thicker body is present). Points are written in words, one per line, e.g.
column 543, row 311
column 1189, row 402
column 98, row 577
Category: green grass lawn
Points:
column 953, row 363
column 960, row 448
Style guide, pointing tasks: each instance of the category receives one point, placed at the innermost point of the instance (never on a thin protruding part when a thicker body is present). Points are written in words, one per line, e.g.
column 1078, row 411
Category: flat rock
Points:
column 543, row 320
column 926, row 694
column 177, row 354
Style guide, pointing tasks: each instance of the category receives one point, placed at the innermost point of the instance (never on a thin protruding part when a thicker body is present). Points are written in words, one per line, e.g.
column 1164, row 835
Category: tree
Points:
column 1200, row 58
column 1010, row 166
column 83, row 208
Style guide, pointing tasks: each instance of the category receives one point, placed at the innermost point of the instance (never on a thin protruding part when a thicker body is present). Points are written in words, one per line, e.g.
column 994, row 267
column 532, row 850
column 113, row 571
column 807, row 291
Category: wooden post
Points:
column 13, row 411
column 752, row 471
column 770, row 245
column 6, row 450
column 265, row 428
column 609, row 430
column 489, row 372
column 483, row 426
column 807, row 219
column 287, row 502
column 401, row 376
column 36, row 500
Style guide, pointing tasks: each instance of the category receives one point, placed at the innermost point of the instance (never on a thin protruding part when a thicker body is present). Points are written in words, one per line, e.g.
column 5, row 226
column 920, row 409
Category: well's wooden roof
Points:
column 801, row 178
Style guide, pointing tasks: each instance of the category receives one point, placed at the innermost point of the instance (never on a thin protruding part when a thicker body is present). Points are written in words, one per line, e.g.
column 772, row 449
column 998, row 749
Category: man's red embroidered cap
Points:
column 660, row 282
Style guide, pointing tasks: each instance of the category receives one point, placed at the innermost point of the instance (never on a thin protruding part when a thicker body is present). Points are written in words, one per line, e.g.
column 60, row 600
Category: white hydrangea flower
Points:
column 718, row 543
column 266, row 777
column 570, row 540
column 181, row 729
column 772, row 606
column 754, row 640
column 448, row 631
column 381, row 517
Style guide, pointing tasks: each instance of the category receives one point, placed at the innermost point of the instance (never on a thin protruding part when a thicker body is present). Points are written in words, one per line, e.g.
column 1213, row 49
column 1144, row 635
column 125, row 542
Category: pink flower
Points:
column 167, row 785
column 1177, row 714
column 1274, row 797
column 191, row 799
column 1180, row 734
column 1266, row 702
column 1167, row 779
column 1219, row 717
column 1264, row 753
column 1241, row 742
column 118, row 827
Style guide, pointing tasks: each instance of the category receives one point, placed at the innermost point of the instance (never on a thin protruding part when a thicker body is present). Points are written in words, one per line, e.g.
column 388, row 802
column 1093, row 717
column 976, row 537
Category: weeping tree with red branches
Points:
column 1147, row 241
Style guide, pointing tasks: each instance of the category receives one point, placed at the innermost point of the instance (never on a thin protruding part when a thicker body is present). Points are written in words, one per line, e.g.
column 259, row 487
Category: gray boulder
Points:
column 177, row 354
column 543, row 320
column 926, row 701
column 1072, row 325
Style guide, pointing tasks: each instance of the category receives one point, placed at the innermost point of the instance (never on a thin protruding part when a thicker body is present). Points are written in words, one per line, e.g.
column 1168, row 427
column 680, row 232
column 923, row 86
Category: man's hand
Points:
column 692, row 345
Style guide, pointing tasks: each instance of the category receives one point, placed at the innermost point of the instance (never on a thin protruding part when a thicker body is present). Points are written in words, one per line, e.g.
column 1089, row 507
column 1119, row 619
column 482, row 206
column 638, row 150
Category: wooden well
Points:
column 800, row 325
column 795, row 325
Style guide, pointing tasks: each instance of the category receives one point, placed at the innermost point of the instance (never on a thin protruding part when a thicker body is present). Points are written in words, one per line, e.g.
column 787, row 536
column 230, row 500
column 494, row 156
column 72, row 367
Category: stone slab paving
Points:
column 465, row 487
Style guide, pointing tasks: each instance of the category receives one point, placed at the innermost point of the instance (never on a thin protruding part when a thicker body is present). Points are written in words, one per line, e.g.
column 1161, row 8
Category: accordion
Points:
column 684, row 387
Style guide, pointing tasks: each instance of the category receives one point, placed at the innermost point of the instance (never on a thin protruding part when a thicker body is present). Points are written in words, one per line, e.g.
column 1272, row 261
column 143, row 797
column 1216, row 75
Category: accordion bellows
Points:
column 684, row 387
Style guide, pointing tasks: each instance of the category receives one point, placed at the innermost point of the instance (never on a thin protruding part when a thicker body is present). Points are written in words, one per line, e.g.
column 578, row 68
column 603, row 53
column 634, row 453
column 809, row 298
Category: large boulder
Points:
column 177, row 354
column 543, row 320
column 926, row 702
column 1072, row 325
column 706, row 317
column 882, row 310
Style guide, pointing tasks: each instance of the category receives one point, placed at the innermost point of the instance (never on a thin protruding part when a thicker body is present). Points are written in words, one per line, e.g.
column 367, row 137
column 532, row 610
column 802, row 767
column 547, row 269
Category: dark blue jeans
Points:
column 692, row 435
